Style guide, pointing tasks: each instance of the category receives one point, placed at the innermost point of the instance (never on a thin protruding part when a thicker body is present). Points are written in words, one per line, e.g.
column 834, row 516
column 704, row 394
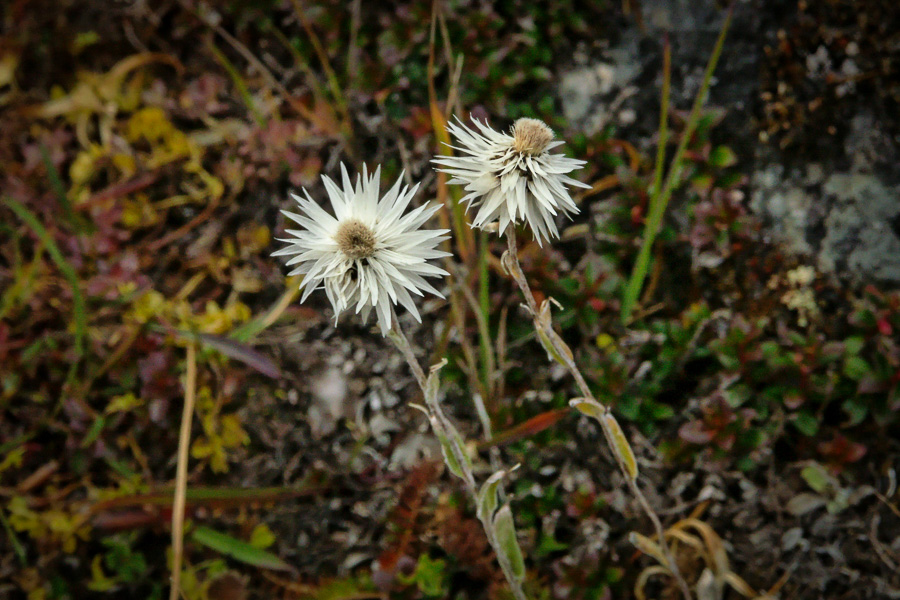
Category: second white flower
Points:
column 512, row 178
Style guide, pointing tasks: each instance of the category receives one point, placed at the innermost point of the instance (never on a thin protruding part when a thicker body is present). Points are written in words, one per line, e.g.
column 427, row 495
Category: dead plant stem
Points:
column 184, row 442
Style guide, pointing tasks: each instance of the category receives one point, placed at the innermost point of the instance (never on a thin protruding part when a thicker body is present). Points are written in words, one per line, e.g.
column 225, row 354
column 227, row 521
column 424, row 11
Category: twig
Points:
column 184, row 438
column 563, row 353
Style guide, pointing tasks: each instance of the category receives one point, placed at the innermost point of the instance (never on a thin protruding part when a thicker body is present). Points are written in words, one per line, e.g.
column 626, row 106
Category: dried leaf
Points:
column 621, row 446
column 804, row 503
column 648, row 547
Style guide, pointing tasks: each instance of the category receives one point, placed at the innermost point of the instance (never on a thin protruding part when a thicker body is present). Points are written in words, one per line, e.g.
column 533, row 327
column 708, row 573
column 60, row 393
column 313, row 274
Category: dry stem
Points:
column 184, row 442
column 438, row 420
column 563, row 353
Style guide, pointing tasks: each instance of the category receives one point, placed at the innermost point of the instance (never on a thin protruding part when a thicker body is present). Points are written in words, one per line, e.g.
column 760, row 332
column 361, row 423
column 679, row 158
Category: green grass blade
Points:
column 239, row 83
column 239, row 550
column 660, row 199
column 663, row 118
column 79, row 310
column 485, row 341
column 14, row 542
column 58, row 188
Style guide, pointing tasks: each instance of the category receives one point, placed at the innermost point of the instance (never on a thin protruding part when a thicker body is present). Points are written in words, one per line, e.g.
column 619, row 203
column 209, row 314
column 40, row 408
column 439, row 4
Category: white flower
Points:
column 368, row 254
column 512, row 177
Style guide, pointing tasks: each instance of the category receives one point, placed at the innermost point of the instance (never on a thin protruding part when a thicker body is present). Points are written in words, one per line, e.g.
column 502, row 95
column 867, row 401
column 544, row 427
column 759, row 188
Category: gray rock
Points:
column 841, row 209
column 859, row 235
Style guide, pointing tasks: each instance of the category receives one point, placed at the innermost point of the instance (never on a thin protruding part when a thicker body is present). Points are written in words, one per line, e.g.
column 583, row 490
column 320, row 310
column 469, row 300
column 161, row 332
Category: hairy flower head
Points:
column 369, row 254
column 512, row 178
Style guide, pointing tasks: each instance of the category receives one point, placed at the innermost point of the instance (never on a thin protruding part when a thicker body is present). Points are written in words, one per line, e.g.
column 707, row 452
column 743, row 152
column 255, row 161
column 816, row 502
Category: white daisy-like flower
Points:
column 512, row 177
column 369, row 254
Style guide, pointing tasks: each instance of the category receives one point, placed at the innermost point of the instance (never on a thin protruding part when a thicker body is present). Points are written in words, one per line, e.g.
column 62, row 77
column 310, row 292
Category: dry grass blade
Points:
column 184, row 439
column 239, row 83
column 718, row 558
column 487, row 354
column 461, row 232
column 644, row 577
column 333, row 83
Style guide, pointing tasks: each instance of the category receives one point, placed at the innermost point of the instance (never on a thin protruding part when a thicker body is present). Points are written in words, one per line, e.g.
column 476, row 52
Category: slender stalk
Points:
column 515, row 269
column 481, row 312
column 663, row 118
column 184, row 442
column 484, row 308
column 441, row 426
column 239, row 83
column 462, row 233
column 406, row 349
column 330, row 76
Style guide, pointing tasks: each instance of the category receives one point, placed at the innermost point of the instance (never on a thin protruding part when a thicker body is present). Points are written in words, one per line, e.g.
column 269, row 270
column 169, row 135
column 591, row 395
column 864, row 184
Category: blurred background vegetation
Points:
column 146, row 150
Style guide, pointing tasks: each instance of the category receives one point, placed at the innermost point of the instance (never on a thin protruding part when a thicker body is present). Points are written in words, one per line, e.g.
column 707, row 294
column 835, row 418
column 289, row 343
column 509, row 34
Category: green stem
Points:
column 484, row 334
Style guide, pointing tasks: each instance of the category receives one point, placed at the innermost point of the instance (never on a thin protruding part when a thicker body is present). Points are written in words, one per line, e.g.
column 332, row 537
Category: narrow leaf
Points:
column 621, row 446
column 661, row 196
column 433, row 383
column 447, row 449
column 80, row 312
column 588, row 407
column 218, row 497
column 238, row 550
column 58, row 188
column 532, row 426
column 487, row 496
column 238, row 351
column 505, row 533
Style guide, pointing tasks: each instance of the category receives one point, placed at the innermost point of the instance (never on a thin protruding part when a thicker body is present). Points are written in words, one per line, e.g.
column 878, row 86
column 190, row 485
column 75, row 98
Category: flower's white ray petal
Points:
column 542, row 195
column 345, row 181
column 407, row 302
column 319, row 224
column 393, row 197
column 384, row 311
column 336, row 196
column 494, row 200
column 372, row 192
column 313, row 211
column 505, row 184
column 292, row 249
column 574, row 182
column 381, row 276
column 398, row 203
column 423, row 285
column 314, row 228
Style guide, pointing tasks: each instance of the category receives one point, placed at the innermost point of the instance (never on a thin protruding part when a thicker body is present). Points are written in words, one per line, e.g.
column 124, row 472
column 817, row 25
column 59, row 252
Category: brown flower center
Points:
column 355, row 239
column 531, row 136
